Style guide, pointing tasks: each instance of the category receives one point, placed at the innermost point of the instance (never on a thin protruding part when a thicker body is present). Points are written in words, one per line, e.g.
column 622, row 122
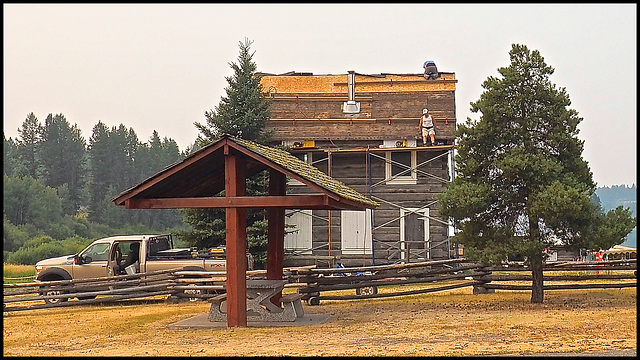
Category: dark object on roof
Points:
column 430, row 70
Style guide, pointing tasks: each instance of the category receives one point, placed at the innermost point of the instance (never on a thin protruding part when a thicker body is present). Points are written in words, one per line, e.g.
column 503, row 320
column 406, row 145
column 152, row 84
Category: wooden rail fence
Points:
column 459, row 273
column 311, row 282
column 177, row 283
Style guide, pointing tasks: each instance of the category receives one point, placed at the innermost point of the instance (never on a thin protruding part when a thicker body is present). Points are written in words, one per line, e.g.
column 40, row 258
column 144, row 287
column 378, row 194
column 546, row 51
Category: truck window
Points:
column 96, row 252
column 159, row 243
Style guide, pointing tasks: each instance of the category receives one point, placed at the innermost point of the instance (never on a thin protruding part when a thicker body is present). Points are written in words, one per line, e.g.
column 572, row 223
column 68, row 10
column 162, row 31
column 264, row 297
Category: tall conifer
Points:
column 521, row 183
column 242, row 113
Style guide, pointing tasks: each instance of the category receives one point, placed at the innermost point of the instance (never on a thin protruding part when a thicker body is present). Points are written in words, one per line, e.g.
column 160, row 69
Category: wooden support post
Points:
column 236, row 226
column 329, row 211
column 275, row 242
column 482, row 277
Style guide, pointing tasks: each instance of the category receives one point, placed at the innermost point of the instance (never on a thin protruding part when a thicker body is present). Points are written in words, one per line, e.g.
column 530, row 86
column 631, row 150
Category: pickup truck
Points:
column 109, row 256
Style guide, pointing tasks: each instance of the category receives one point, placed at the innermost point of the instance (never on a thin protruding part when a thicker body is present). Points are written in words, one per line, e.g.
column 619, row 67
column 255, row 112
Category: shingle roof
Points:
column 199, row 176
column 305, row 170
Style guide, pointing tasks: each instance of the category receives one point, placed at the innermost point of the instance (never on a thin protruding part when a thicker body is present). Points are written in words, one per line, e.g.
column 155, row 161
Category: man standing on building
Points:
column 426, row 126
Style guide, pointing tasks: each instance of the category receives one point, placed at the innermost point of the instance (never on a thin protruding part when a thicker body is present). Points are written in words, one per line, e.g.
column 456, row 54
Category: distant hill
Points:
column 616, row 195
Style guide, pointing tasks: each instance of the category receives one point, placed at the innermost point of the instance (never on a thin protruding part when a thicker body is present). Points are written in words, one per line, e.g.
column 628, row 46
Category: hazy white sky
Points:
column 160, row 67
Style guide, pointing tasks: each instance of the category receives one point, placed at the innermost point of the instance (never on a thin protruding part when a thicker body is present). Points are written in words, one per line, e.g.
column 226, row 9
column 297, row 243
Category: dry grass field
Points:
column 450, row 323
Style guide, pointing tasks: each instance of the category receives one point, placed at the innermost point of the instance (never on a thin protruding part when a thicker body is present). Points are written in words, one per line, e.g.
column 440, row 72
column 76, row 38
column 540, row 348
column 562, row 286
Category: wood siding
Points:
column 384, row 116
column 350, row 168
column 310, row 107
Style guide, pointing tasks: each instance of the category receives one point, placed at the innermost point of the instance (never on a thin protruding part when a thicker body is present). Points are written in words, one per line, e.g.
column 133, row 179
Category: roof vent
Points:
column 351, row 106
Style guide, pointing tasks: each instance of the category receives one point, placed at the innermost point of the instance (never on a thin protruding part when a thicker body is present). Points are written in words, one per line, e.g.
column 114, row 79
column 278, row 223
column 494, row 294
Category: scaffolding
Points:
column 400, row 251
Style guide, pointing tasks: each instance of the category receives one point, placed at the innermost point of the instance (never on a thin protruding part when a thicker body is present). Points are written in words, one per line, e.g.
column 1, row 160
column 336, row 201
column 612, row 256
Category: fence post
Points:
column 481, row 277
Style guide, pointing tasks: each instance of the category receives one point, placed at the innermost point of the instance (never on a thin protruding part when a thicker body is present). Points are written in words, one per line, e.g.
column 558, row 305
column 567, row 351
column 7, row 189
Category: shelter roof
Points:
column 201, row 176
column 617, row 249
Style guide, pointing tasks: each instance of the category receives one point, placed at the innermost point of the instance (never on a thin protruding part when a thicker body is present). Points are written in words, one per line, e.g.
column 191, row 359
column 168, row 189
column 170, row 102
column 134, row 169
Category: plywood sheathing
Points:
column 337, row 84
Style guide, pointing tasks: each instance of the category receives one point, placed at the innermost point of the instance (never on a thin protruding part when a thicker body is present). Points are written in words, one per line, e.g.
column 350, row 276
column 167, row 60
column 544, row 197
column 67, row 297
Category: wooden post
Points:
column 481, row 277
column 329, row 211
column 236, row 226
column 275, row 242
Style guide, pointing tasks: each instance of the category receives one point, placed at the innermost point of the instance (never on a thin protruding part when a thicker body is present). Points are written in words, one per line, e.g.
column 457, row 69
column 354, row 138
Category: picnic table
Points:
column 260, row 306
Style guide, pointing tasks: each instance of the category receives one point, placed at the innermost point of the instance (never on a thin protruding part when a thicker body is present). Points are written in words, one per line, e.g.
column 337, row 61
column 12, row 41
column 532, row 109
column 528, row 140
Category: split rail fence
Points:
column 311, row 282
column 176, row 283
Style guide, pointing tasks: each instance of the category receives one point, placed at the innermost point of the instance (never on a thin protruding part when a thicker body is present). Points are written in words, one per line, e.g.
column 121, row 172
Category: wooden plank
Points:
column 284, row 202
column 381, row 129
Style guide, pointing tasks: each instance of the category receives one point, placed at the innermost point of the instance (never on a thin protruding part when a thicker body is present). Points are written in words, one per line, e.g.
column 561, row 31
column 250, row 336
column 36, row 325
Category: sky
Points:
column 162, row 66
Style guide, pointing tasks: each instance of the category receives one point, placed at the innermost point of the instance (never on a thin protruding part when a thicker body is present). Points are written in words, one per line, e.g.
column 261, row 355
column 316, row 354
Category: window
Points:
column 355, row 232
column 97, row 252
column 400, row 167
column 298, row 238
column 157, row 244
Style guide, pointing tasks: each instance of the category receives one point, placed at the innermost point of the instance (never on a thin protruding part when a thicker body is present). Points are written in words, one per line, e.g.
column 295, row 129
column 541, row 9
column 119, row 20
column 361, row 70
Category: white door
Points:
column 414, row 235
column 355, row 231
column 298, row 238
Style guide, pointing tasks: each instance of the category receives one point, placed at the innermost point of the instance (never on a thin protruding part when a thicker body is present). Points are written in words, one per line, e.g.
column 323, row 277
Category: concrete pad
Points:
column 202, row 322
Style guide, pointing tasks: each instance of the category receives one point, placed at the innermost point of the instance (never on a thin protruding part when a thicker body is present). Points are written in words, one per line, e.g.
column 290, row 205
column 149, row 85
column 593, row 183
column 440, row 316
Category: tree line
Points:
column 58, row 186
column 620, row 195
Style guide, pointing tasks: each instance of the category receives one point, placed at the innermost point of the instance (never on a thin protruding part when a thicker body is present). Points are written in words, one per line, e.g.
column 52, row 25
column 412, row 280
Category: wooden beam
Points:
column 197, row 156
column 284, row 202
column 236, row 226
column 276, row 223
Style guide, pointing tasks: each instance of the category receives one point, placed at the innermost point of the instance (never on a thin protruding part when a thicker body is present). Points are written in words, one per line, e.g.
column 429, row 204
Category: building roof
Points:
column 197, row 179
column 307, row 171
column 619, row 249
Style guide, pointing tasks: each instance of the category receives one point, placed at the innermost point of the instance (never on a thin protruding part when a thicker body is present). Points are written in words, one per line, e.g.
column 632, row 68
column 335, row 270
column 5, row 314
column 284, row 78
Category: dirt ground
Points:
column 451, row 323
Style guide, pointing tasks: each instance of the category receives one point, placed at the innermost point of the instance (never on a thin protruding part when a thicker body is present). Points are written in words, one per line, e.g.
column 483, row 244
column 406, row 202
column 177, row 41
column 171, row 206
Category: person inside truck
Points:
column 133, row 255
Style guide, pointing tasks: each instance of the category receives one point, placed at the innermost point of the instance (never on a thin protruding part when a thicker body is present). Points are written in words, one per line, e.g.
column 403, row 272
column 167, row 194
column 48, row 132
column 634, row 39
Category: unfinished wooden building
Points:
column 363, row 129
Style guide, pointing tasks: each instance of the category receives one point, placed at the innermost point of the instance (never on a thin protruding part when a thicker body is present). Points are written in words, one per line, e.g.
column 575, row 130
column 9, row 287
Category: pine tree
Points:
column 243, row 113
column 100, row 169
column 62, row 157
column 28, row 147
column 521, row 184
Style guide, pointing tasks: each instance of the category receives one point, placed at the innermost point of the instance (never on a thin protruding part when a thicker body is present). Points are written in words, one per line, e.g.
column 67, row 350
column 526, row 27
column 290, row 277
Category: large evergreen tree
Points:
column 28, row 147
column 100, row 169
column 62, row 156
column 521, row 184
column 243, row 113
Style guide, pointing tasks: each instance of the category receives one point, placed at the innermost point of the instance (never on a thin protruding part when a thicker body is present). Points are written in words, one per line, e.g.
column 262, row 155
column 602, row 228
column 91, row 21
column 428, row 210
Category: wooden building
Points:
column 363, row 129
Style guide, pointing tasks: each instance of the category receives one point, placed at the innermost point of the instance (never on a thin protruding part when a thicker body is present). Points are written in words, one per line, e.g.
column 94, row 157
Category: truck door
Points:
column 93, row 262
column 123, row 254
column 115, row 259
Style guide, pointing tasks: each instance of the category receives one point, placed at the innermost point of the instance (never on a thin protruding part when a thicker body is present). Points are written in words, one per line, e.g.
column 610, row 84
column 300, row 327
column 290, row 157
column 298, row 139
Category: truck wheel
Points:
column 54, row 292
column 195, row 291
column 367, row 290
column 313, row 301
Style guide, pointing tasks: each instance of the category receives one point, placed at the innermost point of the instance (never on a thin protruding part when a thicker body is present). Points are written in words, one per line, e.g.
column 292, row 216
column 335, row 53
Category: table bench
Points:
column 259, row 304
